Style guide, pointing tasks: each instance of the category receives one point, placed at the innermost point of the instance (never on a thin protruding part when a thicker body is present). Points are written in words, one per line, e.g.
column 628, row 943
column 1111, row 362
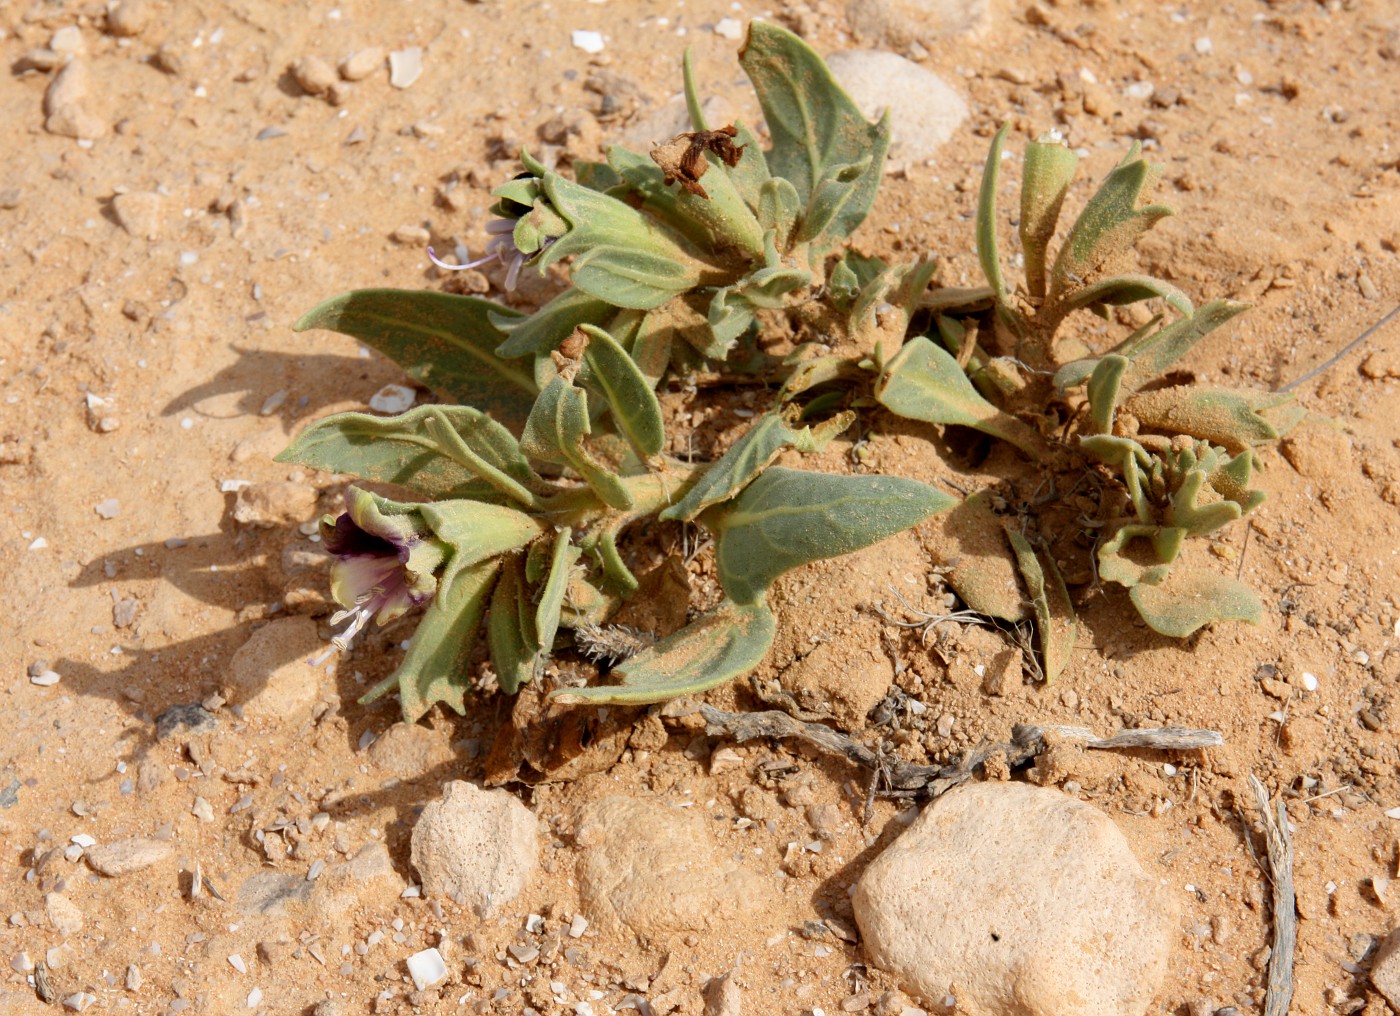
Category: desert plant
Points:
column 1182, row 454
column 714, row 259
column 557, row 442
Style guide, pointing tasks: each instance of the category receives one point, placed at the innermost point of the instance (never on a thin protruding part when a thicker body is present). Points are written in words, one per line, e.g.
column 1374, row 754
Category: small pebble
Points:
column 578, row 926
column 589, row 42
column 108, row 508
column 427, row 968
column 133, row 977
column 314, row 74
column 360, row 65
column 236, row 961
column 254, row 998
column 405, row 66
column 78, row 1001
column 47, row 679
column 129, row 18
column 1309, row 681
column 730, row 28
column 392, row 399
column 68, row 39
column 411, row 235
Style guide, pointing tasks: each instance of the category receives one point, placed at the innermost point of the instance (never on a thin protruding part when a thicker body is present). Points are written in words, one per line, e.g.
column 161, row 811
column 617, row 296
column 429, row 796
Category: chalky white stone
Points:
column 426, row 968
column 1017, row 901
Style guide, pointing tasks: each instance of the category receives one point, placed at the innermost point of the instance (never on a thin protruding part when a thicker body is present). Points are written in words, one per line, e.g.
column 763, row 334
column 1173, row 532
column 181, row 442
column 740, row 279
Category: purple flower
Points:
column 525, row 225
column 385, row 562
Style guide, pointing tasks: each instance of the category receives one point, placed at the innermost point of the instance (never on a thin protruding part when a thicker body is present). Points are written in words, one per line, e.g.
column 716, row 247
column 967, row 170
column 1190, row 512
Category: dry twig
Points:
column 905, row 779
column 1280, row 871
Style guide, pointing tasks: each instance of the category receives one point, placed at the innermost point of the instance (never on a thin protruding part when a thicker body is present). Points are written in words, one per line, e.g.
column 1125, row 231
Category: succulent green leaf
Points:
column 629, row 395
column 818, row 133
column 692, row 93
column 441, row 340
column 789, row 517
column 731, row 315
column 850, row 276
column 620, row 256
column 1132, row 462
column 1049, row 167
column 555, row 431
column 437, row 666
column 1104, row 386
column 1186, row 512
column 778, row 209
column 750, row 455
column 478, row 532
column 1124, row 289
column 751, row 173
column 510, row 629
column 598, row 176
column 1189, row 599
column 889, row 301
column 718, row 646
column 721, row 222
column 969, row 544
column 403, row 450
column 1154, row 355
column 1110, row 224
column 1233, row 419
column 556, row 585
column 543, row 330
column 987, row 251
column 1122, row 560
column 923, row 382
column 1054, row 612
column 613, row 566
column 651, row 346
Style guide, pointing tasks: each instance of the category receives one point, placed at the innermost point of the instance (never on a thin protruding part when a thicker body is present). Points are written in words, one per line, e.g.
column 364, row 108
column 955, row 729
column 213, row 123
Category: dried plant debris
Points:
column 1279, row 855
column 682, row 159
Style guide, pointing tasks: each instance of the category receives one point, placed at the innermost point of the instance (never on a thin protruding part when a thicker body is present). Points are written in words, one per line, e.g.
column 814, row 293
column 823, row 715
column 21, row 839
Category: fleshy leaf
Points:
column 1107, row 228
column 402, row 449
column 1152, row 356
column 621, row 256
column 718, row 646
column 478, row 532
column 987, row 250
column 923, row 382
column 555, row 432
column 556, row 585
column 1121, row 560
column 634, row 407
column 1104, row 386
column 788, row 517
column 543, row 330
column 510, row 630
column 1230, row 418
column 437, row 666
column 441, row 340
column 1054, row 613
column 1189, row 599
column 1188, row 513
column 818, row 133
column 750, row 455
column 1124, row 289
column 1048, row 169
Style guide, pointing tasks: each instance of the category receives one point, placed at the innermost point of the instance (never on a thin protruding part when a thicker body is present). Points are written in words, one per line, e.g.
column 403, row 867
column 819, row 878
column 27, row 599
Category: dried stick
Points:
column 901, row 778
column 1280, row 993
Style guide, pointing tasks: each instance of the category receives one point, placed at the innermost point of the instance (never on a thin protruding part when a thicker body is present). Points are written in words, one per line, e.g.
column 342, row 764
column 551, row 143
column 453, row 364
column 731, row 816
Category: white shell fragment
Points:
column 392, row 399
column 426, row 968
column 47, row 679
column 589, row 42
column 405, row 66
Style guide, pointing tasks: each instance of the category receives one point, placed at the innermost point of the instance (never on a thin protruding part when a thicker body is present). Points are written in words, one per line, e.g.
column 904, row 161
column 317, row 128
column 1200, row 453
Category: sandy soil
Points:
column 147, row 360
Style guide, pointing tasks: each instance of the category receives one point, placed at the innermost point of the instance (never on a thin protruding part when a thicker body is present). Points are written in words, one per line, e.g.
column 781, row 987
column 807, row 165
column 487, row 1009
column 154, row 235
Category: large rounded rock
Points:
column 478, row 847
column 925, row 111
column 899, row 24
column 652, row 868
column 1017, row 901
